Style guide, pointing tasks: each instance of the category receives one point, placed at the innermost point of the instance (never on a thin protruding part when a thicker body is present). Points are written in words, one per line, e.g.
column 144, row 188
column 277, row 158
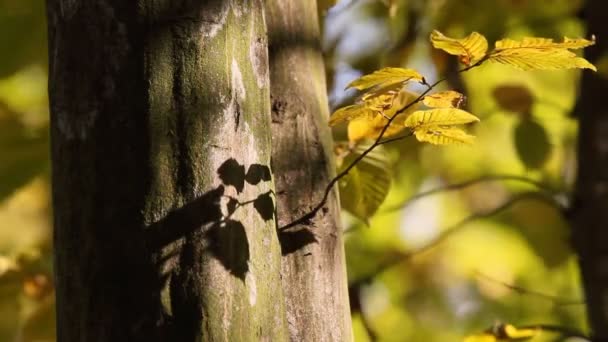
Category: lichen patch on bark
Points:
column 251, row 285
column 258, row 56
column 238, row 87
column 213, row 21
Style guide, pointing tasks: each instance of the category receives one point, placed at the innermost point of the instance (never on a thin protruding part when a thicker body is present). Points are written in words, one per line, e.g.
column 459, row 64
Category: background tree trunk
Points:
column 590, row 207
column 162, row 192
column 313, row 266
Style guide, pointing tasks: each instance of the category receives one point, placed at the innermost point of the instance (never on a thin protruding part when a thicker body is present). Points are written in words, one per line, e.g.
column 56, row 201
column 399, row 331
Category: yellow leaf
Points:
column 439, row 117
column 534, row 58
column 438, row 135
column 532, row 53
column 444, row 99
column 390, row 90
column 380, row 104
column 369, row 127
column 483, row 337
column 516, row 334
column 470, row 49
column 364, row 128
column 385, row 77
column 535, row 42
column 349, row 113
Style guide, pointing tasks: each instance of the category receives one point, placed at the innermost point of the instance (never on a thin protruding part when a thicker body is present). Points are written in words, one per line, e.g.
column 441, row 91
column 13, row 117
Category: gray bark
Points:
column 589, row 214
column 162, row 192
column 313, row 266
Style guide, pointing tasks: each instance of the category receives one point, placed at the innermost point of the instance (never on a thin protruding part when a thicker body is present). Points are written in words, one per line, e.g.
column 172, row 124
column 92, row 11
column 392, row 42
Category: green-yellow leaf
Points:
column 438, row 135
column 385, row 77
column 483, row 337
column 535, row 58
column 535, row 42
column 348, row 113
column 439, row 117
column 532, row 53
column 444, row 99
column 470, row 49
column 516, row 334
column 365, row 187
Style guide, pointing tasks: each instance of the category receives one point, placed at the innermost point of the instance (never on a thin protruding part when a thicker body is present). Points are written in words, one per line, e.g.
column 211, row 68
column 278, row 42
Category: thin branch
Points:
column 524, row 291
column 446, row 233
column 311, row 214
column 457, row 186
column 390, row 140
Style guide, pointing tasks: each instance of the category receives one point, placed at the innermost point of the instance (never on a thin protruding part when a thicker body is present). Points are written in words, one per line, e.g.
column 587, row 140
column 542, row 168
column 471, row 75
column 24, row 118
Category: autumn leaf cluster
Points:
column 387, row 107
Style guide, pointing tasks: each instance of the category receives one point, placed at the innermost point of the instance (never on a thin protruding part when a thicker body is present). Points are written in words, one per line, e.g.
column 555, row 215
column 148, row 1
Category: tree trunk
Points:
column 590, row 206
column 313, row 266
column 162, row 191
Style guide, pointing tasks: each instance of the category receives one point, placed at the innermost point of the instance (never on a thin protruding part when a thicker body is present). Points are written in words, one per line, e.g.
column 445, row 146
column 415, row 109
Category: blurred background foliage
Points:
column 435, row 267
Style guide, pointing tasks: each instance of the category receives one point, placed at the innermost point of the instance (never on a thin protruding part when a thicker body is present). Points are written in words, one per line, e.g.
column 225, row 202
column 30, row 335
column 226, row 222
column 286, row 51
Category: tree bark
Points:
column 589, row 215
column 162, row 191
column 313, row 265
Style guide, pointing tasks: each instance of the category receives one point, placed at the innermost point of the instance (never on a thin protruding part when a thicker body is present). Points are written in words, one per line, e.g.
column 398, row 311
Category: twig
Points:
column 311, row 214
column 555, row 299
column 465, row 184
column 390, row 140
column 405, row 256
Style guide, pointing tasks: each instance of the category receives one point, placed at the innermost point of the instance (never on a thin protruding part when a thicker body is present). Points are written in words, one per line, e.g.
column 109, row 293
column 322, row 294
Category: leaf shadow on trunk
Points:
column 188, row 235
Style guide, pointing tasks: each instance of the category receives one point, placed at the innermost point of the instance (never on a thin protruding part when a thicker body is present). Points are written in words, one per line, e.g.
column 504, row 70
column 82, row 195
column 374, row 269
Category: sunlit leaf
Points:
column 540, row 59
column 439, row 117
column 370, row 127
column 470, row 49
column 364, row 189
column 535, row 42
column 360, row 129
column 514, row 98
column 483, row 337
column 390, row 90
column 533, row 53
column 384, row 103
column 380, row 104
column 438, row 135
column 504, row 332
column 515, row 334
column 385, row 77
column 444, row 99
column 532, row 144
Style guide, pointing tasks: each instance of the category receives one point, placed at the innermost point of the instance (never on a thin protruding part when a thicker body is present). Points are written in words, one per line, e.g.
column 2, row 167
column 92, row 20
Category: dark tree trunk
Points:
column 313, row 266
column 162, row 191
column 590, row 205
